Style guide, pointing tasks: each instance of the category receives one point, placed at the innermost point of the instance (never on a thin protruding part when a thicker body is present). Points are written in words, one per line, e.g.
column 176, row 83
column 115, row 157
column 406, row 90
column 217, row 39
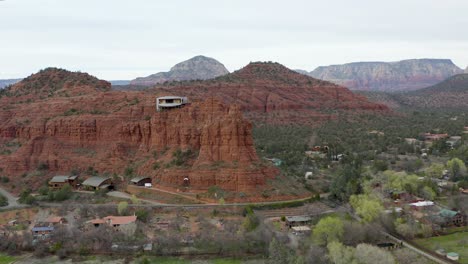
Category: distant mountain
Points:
column 196, row 68
column 120, row 82
column 6, row 82
column 451, row 93
column 406, row 75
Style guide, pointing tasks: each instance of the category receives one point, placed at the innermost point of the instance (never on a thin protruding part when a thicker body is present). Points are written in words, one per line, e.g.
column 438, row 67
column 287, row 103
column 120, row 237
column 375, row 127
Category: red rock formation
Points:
column 111, row 131
column 270, row 92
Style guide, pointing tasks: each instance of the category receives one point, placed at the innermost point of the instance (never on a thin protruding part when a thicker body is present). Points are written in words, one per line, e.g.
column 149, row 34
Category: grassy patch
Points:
column 5, row 259
column 457, row 242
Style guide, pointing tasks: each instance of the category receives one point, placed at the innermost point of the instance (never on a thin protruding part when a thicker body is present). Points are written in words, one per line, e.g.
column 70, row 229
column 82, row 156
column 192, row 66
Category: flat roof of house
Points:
column 137, row 179
column 95, row 181
column 59, row 179
column 422, row 203
column 120, row 220
column 54, row 219
column 171, row 97
column 299, row 218
column 301, row 228
column 42, row 228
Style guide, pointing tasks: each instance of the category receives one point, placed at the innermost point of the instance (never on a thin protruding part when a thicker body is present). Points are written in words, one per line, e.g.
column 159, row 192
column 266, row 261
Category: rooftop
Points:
column 301, row 218
column 422, row 203
column 42, row 228
column 137, row 179
column 95, row 181
column 59, row 179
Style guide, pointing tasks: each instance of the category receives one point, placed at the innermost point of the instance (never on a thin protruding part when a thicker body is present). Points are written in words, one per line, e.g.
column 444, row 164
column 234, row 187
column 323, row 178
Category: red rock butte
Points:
column 62, row 130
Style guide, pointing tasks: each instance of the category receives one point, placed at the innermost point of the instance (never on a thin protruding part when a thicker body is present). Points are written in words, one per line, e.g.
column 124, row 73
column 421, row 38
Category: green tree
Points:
column 341, row 254
column 435, row 170
column 366, row 207
column 122, row 208
column 456, row 168
column 328, row 229
column 368, row 254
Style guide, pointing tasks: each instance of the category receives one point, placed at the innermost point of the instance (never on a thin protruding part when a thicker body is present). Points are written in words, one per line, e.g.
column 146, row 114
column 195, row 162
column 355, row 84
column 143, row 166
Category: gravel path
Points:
column 12, row 200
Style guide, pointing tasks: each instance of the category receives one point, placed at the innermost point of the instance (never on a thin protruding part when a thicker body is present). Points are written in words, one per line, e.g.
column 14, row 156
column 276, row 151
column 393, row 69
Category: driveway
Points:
column 12, row 200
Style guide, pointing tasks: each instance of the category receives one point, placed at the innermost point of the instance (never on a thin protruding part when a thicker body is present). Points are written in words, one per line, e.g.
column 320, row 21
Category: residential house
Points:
column 452, row 218
column 124, row 224
column 55, row 221
column 298, row 220
column 59, row 181
column 140, row 181
column 97, row 183
column 42, row 232
column 433, row 137
column 170, row 102
column 453, row 141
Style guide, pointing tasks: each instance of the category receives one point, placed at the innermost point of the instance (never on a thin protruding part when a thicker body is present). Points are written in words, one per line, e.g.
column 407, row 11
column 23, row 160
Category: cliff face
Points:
column 271, row 93
column 403, row 75
column 111, row 131
column 196, row 68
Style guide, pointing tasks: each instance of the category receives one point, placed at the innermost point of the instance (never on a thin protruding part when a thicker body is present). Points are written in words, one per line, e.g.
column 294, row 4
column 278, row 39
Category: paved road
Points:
column 440, row 260
column 417, row 250
column 12, row 200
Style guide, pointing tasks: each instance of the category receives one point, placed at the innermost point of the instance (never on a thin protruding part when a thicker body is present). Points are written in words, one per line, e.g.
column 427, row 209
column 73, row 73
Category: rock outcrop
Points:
column 80, row 125
column 196, row 68
column 403, row 75
column 272, row 93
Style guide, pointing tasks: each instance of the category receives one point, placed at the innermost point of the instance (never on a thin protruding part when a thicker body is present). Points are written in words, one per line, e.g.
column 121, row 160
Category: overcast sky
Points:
column 118, row 39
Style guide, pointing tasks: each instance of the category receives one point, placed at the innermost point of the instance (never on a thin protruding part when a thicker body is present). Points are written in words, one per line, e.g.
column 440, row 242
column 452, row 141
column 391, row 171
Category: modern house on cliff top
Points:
column 169, row 102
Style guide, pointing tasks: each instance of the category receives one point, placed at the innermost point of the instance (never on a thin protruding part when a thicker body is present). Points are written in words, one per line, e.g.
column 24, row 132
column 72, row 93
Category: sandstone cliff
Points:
column 196, row 68
column 403, row 75
column 272, row 93
column 56, row 121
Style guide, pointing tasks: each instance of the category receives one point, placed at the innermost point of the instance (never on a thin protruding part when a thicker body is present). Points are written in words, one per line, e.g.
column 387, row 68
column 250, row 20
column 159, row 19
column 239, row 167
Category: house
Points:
column 42, row 232
column 452, row 218
column 124, row 224
column 301, row 230
column 453, row 256
column 452, row 141
column 59, row 181
column 169, row 102
column 422, row 204
column 56, row 220
column 433, row 137
column 97, row 183
column 298, row 220
column 140, row 181
column 411, row 141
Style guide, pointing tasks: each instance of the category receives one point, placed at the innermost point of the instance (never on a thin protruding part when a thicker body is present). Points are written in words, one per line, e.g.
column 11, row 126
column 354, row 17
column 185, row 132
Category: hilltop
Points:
column 54, row 82
column 271, row 93
column 405, row 75
column 196, row 68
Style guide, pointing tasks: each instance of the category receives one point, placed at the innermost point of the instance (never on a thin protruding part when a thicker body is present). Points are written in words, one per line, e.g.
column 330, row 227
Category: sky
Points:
column 124, row 39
